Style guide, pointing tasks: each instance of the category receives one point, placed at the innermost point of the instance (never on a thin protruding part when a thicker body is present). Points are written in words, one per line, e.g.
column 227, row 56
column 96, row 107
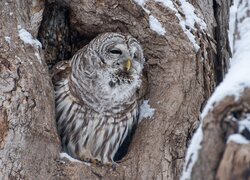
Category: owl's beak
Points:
column 128, row 64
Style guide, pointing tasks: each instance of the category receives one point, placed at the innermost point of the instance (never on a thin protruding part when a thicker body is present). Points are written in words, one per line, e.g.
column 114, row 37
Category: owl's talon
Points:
column 95, row 161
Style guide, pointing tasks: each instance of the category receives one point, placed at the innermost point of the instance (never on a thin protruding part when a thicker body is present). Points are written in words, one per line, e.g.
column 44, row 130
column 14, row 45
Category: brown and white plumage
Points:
column 96, row 101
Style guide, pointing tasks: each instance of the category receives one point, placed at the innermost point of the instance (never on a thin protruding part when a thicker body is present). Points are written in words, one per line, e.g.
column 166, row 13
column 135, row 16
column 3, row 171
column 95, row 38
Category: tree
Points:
column 185, row 61
column 220, row 148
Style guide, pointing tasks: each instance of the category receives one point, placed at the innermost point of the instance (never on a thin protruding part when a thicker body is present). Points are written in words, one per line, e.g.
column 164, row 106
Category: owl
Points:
column 96, row 97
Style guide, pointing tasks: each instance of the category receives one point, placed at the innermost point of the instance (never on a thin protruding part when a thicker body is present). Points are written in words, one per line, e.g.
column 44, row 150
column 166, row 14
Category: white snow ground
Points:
column 236, row 80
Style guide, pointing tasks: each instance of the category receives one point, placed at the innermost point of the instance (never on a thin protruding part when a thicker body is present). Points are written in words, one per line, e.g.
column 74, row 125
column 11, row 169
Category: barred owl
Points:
column 96, row 99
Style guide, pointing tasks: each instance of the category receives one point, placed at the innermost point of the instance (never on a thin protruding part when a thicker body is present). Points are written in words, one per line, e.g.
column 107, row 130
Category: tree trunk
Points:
column 217, row 159
column 29, row 143
column 181, row 76
column 223, row 147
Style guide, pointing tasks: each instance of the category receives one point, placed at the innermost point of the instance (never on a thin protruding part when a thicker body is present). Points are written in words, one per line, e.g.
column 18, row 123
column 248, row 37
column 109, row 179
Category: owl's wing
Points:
column 60, row 71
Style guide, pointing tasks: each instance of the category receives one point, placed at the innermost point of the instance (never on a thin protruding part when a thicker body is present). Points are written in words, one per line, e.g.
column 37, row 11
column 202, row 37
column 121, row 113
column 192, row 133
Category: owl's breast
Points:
column 117, row 94
column 97, row 93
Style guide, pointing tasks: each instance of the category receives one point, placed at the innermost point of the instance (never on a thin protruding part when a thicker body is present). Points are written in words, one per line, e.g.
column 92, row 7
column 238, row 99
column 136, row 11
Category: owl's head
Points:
column 107, row 71
column 120, row 56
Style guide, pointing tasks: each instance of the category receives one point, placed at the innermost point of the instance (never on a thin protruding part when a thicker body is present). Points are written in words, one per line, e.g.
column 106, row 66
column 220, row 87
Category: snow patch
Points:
column 156, row 26
column 140, row 2
column 190, row 16
column 237, row 138
column 236, row 80
column 154, row 23
column 7, row 39
column 238, row 76
column 232, row 20
column 188, row 22
column 38, row 57
column 192, row 153
column 68, row 157
column 27, row 38
column 167, row 3
column 65, row 155
column 244, row 124
column 190, row 35
column 146, row 111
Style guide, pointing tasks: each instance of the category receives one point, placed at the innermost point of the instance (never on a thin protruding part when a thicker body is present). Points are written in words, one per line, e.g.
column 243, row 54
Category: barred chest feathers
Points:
column 96, row 102
column 88, row 134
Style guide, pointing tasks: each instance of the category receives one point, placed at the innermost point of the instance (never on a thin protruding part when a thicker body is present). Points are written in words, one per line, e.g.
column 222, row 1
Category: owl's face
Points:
column 121, row 57
column 107, row 71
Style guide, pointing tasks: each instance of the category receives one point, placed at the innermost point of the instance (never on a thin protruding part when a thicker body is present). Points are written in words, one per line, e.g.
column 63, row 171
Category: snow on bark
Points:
column 156, row 26
column 238, row 76
column 243, row 126
column 236, row 81
column 156, row 152
column 68, row 157
column 7, row 39
column 188, row 22
column 146, row 111
column 154, row 23
column 238, row 138
column 27, row 38
column 192, row 153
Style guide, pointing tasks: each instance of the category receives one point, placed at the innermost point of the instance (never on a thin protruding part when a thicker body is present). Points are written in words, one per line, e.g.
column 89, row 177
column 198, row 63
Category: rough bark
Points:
column 235, row 154
column 180, row 81
column 29, row 143
column 217, row 159
column 54, row 33
column 221, row 14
